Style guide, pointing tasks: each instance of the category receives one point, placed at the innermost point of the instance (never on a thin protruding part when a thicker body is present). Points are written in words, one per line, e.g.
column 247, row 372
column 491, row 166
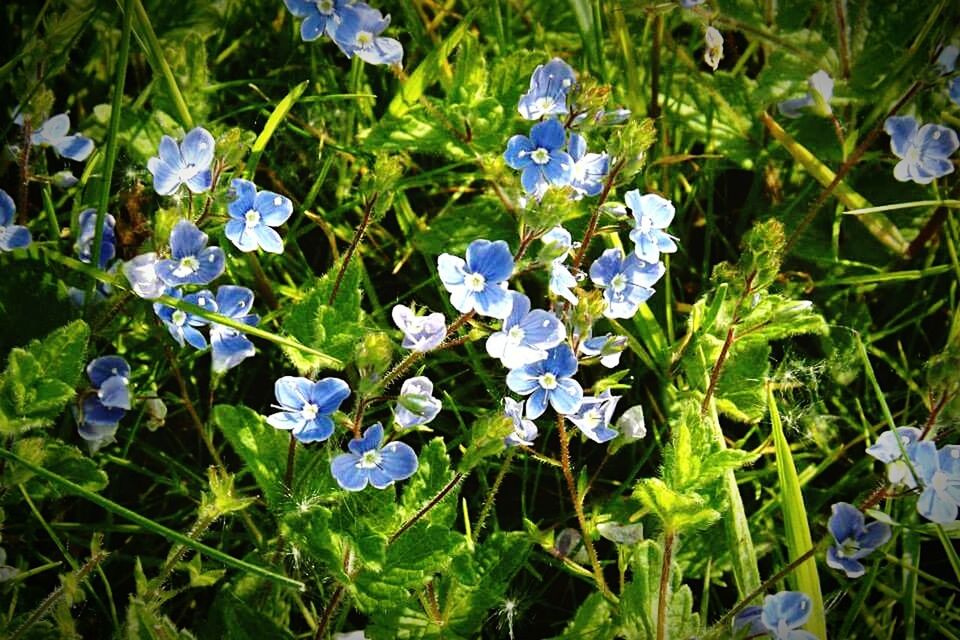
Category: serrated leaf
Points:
column 431, row 477
column 63, row 459
column 594, row 619
column 486, row 439
column 262, row 448
column 452, row 231
column 62, row 354
column 678, row 511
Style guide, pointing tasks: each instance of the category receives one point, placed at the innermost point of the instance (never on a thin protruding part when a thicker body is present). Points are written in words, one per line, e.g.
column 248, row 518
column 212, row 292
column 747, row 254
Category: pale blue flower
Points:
column 557, row 246
column 252, row 214
column 231, row 347
column 589, row 169
column 416, row 405
column 854, row 539
column 192, row 261
column 306, row 406
column 55, row 133
column 626, row 282
column 817, row 99
column 183, row 326
column 358, row 34
column 420, row 333
column 939, row 473
column 187, row 164
column 101, row 410
column 108, row 239
column 780, row 617
column 540, row 157
column 64, row 179
column 652, row 214
column 924, row 152
column 887, row 450
column 319, row 16
column 549, row 86
column 953, row 90
column 549, row 381
column 595, row 415
column 368, row 462
column 607, row 346
column 12, row 236
column 524, row 431
column 947, row 60
column 479, row 282
column 141, row 272
column 526, row 335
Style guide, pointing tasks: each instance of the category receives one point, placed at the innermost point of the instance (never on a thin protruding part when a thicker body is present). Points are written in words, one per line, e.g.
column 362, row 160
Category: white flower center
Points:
column 179, row 318
column 912, row 155
column 364, row 39
column 188, row 265
column 618, row 283
column 955, row 454
column 475, row 282
column 540, row 156
column 515, row 335
column 939, row 481
column 325, row 7
column 579, row 172
column 548, row 381
column 252, row 217
column 369, row 460
column 848, row 548
column 309, row 411
column 592, row 418
column 544, row 104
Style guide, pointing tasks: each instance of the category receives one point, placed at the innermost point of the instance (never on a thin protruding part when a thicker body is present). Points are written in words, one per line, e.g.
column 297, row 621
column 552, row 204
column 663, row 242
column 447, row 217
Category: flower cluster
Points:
column 780, row 617
column 100, row 410
column 355, row 28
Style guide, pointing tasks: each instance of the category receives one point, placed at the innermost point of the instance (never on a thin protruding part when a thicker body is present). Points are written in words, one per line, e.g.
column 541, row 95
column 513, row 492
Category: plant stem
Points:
column 653, row 109
column 155, row 51
column 357, row 237
column 328, row 612
column 595, row 217
column 841, row 11
column 491, row 496
column 176, row 555
column 578, row 507
column 727, row 343
column 24, row 195
column 669, row 537
column 425, row 509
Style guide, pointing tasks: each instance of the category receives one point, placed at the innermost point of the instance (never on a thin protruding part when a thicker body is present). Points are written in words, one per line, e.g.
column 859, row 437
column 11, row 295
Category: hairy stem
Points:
column 357, row 237
column 727, row 343
column 24, row 195
column 595, row 216
column 425, row 509
column 669, row 537
column 491, row 496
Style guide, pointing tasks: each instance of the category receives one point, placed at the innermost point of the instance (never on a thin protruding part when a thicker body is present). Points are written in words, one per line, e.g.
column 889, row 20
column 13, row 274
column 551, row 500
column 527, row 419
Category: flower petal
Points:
column 346, row 472
column 316, row 430
column 902, row 131
column 244, row 195
column 197, row 147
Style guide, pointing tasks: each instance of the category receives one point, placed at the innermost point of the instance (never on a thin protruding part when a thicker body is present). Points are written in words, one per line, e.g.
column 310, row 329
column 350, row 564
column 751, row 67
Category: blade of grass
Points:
column 798, row 537
column 150, row 525
column 279, row 113
column 154, row 53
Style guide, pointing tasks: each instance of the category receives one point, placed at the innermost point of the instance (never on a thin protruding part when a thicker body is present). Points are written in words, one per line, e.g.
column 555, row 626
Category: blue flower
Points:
column 182, row 325
column 627, row 283
column 854, row 539
column 420, row 333
column 368, row 462
column 557, row 245
column 108, row 239
column 817, row 99
column 594, row 417
column 12, row 236
column 307, row 406
column 524, row 431
column 229, row 346
column 947, row 60
column 54, row 133
column 252, row 214
column 416, row 405
column 187, row 164
column 141, row 272
column 358, row 34
column 887, row 450
column 550, row 381
column 525, row 335
column 923, row 151
column 607, row 346
column 549, row 85
column 192, row 261
column 103, row 408
column 320, row 16
column 589, row 169
column 953, row 90
column 939, row 473
column 479, row 283
column 652, row 214
column 781, row 617
column 540, row 158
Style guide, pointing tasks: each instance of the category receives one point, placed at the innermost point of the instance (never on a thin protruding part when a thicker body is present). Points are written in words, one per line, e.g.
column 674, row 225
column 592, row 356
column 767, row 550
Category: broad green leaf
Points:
column 678, row 511
column 486, row 439
column 594, row 619
column 62, row 354
column 63, row 459
column 432, row 475
column 262, row 448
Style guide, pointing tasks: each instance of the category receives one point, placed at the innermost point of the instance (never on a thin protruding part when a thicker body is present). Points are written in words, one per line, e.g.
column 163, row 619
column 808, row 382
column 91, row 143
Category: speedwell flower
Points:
column 108, row 239
column 358, row 34
column 817, row 99
column 549, row 381
column 594, row 416
column 557, row 245
column 54, row 133
column 854, row 539
column 947, row 60
column 626, row 282
column 525, row 335
column 416, row 405
column 319, row 16
column 608, row 347
column 524, row 431
column 368, row 462
column 141, row 272
column 252, row 214
column 12, row 236
column 713, row 53
column 229, row 346
column 182, row 325
column 953, row 90
column 420, row 333
column 306, row 406
column 887, row 450
column 101, row 410
column 192, row 261
column 924, row 152
column 540, row 157
column 479, row 282
column 781, row 617
column 939, row 473
column 589, row 169
column 652, row 214
column 549, row 85
column 187, row 164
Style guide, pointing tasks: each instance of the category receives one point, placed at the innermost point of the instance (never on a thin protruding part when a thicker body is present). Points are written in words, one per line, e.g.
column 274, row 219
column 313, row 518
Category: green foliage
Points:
column 63, row 459
column 335, row 330
column 638, row 602
column 433, row 475
column 262, row 448
column 486, row 439
column 40, row 379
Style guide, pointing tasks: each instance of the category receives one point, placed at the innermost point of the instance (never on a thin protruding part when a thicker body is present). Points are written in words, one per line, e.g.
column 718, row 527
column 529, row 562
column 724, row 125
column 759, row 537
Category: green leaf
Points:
column 145, row 622
column 594, row 619
column 797, row 528
column 638, row 601
column 457, row 227
column 334, row 330
column 62, row 354
column 63, row 459
column 432, row 475
column 262, row 448
column 486, row 439
column 678, row 511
